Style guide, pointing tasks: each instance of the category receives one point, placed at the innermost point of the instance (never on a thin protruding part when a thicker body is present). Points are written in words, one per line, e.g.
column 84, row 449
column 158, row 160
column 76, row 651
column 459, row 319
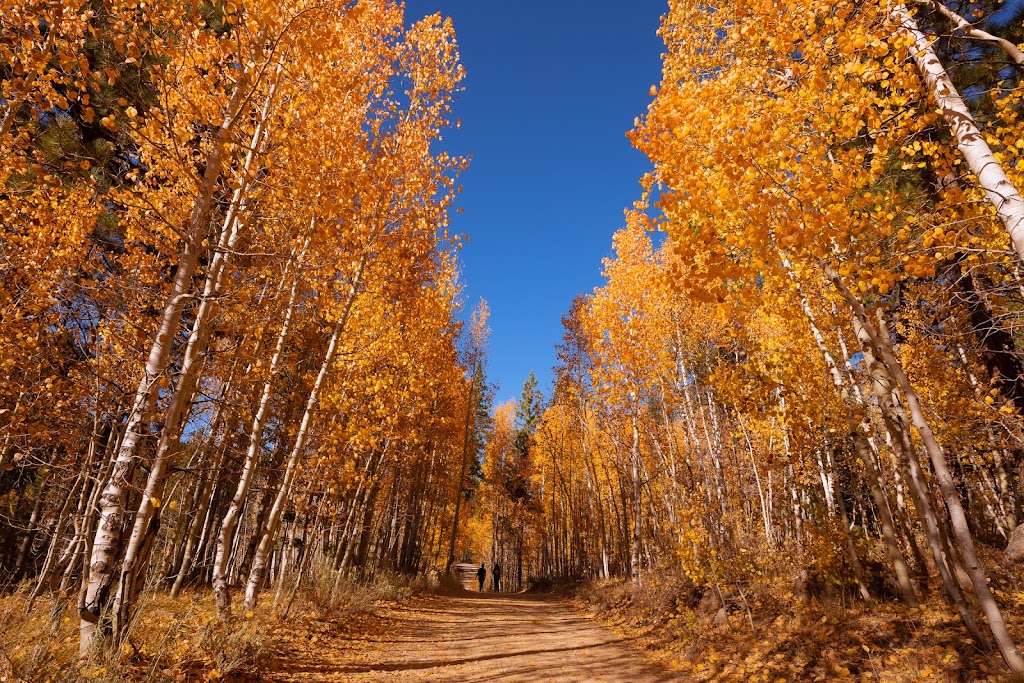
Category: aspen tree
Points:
column 965, row 543
column 999, row 190
column 112, row 501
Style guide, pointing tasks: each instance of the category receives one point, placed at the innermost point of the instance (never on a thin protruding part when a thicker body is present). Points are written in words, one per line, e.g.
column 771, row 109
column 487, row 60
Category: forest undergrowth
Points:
column 182, row 640
column 777, row 631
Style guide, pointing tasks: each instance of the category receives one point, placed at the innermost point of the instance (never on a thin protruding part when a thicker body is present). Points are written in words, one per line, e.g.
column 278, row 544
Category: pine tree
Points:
column 528, row 412
column 483, row 427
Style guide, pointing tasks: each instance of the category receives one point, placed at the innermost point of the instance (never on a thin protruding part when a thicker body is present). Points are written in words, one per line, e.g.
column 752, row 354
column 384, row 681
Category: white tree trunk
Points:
column 998, row 188
column 188, row 378
column 634, row 457
column 226, row 537
column 958, row 518
column 462, row 476
column 971, row 30
column 259, row 562
column 109, row 531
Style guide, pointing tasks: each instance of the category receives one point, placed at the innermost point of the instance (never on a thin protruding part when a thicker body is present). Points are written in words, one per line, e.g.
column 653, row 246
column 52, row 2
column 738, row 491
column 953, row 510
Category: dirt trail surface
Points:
column 473, row 637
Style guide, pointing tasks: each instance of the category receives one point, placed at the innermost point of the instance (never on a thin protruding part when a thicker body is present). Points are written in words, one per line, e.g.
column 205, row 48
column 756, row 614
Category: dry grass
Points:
column 178, row 640
column 331, row 596
column 172, row 640
column 770, row 635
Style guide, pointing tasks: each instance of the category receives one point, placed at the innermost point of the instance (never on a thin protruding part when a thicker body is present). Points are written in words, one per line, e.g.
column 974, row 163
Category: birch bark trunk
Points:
column 462, row 477
column 958, row 518
column 982, row 162
column 634, row 548
column 108, row 540
column 769, row 535
column 188, row 378
column 226, row 537
column 973, row 31
column 943, row 553
column 263, row 549
column 864, row 452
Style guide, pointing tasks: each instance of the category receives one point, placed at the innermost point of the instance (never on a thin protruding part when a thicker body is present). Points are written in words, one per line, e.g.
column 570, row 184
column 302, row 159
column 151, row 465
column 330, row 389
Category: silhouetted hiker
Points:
column 480, row 574
column 497, row 576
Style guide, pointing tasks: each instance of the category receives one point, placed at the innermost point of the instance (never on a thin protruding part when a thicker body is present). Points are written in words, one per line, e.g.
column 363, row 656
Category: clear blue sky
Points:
column 552, row 88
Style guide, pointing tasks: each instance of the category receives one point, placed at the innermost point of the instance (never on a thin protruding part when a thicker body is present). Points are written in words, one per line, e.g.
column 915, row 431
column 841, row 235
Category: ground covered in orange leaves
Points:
column 613, row 631
column 601, row 631
column 770, row 635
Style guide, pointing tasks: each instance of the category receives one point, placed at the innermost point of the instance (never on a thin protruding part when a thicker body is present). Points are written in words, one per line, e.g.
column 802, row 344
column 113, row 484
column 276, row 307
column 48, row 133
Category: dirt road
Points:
column 475, row 637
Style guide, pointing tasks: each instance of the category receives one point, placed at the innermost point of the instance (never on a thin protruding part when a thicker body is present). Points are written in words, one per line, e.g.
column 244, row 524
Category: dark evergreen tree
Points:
column 528, row 411
column 483, row 426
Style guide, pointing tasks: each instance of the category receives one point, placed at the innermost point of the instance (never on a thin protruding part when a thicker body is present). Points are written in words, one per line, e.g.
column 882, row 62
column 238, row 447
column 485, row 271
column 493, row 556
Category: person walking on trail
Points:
column 480, row 575
column 496, row 572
